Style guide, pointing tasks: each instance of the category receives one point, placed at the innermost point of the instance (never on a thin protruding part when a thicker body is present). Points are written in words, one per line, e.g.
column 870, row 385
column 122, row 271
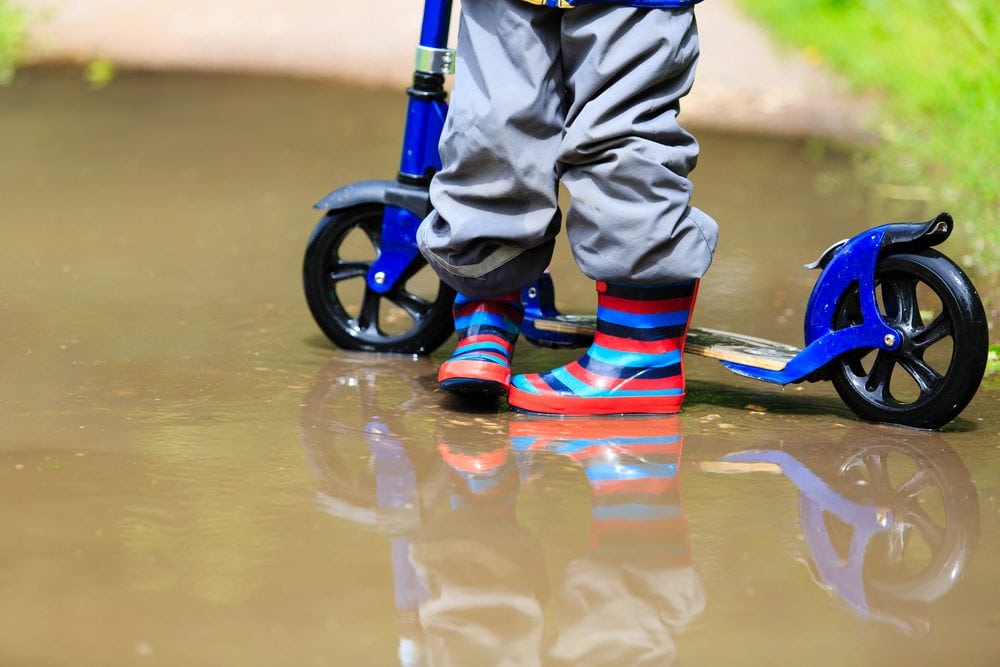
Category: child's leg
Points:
column 624, row 158
column 625, row 161
column 495, row 198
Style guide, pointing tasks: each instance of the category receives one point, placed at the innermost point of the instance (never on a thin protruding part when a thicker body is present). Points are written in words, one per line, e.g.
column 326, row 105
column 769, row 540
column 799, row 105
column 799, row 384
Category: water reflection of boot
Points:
column 623, row 601
column 485, row 574
column 481, row 466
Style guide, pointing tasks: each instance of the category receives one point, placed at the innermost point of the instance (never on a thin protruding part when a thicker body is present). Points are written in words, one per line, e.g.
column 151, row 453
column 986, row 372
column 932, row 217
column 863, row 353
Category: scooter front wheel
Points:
column 412, row 317
column 937, row 368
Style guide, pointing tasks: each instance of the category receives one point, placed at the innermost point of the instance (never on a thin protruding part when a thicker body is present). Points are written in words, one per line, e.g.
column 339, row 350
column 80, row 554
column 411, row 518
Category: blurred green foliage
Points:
column 13, row 43
column 12, row 40
column 99, row 73
column 936, row 66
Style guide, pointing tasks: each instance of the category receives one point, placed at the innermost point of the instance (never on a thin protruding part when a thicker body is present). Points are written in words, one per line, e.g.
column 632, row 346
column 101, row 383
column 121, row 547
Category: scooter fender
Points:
column 846, row 265
column 413, row 198
column 854, row 262
column 405, row 206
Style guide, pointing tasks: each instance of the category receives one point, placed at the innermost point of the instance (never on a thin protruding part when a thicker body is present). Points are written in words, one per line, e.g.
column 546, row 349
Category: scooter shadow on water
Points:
column 891, row 520
column 725, row 395
column 702, row 394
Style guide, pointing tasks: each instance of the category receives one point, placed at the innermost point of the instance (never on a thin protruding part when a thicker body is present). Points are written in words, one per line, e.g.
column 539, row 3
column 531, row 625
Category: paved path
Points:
column 744, row 82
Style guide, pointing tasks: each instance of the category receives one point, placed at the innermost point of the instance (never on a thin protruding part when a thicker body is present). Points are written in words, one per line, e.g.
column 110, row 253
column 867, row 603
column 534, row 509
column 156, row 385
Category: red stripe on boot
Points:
column 487, row 371
column 556, row 429
column 624, row 384
column 650, row 485
column 486, row 338
column 538, row 383
column 639, row 346
column 645, row 307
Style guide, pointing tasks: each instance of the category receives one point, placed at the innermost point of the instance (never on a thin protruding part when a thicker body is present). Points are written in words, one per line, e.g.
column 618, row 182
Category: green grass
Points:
column 12, row 36
column 935, row 64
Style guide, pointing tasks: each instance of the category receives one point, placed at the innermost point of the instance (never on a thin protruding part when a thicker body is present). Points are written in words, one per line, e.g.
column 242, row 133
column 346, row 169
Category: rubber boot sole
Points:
column 474, row 378
column 558, row 404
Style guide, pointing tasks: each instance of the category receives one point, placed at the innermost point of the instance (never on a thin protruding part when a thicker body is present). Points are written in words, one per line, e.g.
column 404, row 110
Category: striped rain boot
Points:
column 635, row 364
column 487, row 331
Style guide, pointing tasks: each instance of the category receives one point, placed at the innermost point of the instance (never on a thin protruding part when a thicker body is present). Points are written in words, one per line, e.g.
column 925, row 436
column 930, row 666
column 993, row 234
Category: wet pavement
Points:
column 191, row 474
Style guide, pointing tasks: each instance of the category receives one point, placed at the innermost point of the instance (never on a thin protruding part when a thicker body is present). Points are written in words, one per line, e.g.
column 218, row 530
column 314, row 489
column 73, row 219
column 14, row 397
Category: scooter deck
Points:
column 721, row 345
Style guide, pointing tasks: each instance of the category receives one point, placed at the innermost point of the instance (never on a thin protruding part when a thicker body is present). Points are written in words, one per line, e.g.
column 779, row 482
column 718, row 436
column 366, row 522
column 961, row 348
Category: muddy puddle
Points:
column 191, row 474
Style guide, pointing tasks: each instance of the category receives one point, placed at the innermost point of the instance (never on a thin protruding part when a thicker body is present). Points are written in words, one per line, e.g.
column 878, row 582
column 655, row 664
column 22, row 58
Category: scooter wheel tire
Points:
column 413, row 317
column 938, row 367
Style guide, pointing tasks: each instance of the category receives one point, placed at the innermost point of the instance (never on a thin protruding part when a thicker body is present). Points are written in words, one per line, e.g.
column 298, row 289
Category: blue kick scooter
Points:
column 895, row 325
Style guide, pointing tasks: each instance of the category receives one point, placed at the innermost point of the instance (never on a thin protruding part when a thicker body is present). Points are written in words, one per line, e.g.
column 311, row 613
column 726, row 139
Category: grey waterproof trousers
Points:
column 587, row 96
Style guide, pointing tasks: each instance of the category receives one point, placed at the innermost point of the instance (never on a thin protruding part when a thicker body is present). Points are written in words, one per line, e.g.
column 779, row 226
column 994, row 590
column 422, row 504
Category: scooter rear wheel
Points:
column 936, row 370
column 413, row 317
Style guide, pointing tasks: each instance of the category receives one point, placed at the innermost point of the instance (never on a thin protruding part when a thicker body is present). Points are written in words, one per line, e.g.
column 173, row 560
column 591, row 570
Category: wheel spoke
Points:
column 878, row 471
column 932, row 533
column 347, row 270
column 937, row 330
column 415, row 306
column 880, row 375
column 919, row 482
column 896, row 545
column 372, row 228
column 853, row 473
column 854, row 362
column 368, row 315
column 926, row 377
column 851, row 311
column 900, row 298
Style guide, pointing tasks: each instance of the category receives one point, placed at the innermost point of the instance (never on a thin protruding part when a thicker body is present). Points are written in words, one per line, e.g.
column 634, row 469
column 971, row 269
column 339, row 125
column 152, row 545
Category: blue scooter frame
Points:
column 845, row 326
column 406, row 200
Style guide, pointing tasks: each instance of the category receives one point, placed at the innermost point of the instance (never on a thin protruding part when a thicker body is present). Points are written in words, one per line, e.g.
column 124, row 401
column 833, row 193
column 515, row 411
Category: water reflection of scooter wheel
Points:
column 890, row 521
column 934, row 508
column 356, row 434
column 361, row 436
